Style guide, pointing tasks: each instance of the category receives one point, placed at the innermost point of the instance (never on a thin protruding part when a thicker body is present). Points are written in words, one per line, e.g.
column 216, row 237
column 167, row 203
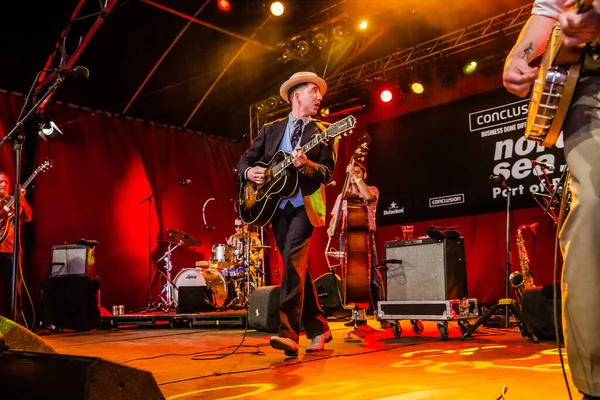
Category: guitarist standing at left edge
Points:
column 296, row 217
column 7, row 246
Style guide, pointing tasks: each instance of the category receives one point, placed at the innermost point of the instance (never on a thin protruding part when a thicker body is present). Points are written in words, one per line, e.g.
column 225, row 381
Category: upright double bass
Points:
column 356, row 247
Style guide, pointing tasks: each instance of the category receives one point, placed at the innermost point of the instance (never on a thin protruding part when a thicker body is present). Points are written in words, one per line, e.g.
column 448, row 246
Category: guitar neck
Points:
column 23, row 186
column 305, row 149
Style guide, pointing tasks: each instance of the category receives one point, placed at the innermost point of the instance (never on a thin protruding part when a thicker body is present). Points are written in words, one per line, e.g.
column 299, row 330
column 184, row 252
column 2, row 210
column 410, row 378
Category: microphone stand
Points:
column 149, row 200
column 18, row 147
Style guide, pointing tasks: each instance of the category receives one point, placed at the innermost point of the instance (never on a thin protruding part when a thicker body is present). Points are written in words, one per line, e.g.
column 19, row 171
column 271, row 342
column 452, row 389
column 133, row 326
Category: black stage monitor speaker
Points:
column 71, row 302
column 34, row 376
column 329, row 296
column 538, row 310
column 430, row 270
column 263, row 314
column 192, row 299
column 17, row 337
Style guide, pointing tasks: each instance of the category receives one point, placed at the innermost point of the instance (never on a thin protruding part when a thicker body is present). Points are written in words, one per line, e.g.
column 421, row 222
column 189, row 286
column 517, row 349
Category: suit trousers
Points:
column 298, row 299
column 579, row 238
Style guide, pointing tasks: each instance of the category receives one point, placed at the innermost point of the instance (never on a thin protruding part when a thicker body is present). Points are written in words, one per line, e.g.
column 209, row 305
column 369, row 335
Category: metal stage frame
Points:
column 174, row 320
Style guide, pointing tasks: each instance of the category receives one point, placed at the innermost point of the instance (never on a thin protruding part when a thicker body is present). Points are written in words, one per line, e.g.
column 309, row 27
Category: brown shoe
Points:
column 289, row 347
column 318, row 342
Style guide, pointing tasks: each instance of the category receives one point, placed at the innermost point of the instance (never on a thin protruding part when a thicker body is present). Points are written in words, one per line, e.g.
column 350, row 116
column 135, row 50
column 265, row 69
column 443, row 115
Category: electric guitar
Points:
column 258, row 203
column 554, row 87
column 7, row 211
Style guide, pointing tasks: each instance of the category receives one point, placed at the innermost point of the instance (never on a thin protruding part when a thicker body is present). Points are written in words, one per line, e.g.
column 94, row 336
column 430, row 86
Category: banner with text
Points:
column 439, row 162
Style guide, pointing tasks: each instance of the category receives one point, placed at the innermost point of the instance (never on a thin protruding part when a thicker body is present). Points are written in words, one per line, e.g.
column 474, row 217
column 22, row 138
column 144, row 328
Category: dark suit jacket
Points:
column 318, row 169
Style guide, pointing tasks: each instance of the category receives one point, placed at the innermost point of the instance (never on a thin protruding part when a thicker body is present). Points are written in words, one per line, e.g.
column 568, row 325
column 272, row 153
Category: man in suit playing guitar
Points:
column 7, row 245
column 295, row 218
column 581, row 133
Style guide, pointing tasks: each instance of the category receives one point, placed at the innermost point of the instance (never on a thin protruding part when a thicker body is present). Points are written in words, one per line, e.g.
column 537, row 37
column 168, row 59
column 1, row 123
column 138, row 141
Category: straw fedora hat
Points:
column 302, row 77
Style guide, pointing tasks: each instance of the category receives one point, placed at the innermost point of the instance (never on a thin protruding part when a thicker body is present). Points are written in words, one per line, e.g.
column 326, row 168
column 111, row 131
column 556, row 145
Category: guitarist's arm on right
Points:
column 518, row 74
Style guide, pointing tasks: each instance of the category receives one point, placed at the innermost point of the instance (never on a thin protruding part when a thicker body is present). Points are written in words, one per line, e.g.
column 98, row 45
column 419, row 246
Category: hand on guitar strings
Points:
column 519, row 76
column 298, row 158
column 256, row 174
column 580, row 28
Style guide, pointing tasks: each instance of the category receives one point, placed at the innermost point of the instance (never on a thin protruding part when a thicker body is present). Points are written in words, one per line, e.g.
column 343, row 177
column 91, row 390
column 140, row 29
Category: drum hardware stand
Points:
column 506, row 302
column 166, row 303
column 150, row 264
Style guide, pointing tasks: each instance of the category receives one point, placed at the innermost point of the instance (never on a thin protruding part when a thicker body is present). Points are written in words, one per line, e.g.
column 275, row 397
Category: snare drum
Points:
column 208, row 278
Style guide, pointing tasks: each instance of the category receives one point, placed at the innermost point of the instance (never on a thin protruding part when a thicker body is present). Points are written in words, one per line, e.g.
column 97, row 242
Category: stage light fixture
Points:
column 386, row 95
column 286, row 53
column 48, row 129
column 302, row 47
column 271, row 103
column 340, row 31
column 363, row 25
column 320, row 40
column 469, row 68
column 224, row 5
column 277, row 8
column 417, row 87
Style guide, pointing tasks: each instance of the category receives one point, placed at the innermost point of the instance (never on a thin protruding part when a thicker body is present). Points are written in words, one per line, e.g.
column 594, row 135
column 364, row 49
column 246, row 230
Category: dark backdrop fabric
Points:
column 104, row 167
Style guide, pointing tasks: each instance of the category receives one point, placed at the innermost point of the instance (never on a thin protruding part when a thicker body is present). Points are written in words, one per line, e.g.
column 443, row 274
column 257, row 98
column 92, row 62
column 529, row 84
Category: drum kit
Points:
column 229, row 276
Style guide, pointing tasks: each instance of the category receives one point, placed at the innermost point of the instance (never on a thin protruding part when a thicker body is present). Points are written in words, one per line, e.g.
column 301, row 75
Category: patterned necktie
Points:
column 297, row 133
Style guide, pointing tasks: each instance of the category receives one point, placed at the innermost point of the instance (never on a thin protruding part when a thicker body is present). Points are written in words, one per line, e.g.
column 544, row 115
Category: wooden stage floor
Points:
column 372, row 364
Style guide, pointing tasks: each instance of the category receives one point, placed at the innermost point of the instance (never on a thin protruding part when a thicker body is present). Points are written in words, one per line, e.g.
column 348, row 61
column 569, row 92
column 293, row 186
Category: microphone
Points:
column 80, row 73
column 184, row 181
column 497, row 178
column 332, row 183
column 549, row 167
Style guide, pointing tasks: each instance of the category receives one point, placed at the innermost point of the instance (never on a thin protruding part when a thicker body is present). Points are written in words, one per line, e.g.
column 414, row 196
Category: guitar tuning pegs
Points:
column 345, row 134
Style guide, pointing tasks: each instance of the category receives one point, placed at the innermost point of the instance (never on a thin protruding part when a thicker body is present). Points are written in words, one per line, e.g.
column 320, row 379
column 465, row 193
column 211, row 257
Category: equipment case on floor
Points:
column 441, row 311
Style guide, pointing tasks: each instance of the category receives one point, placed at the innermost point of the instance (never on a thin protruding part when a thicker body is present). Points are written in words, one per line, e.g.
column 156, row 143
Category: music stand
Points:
column 506, row 302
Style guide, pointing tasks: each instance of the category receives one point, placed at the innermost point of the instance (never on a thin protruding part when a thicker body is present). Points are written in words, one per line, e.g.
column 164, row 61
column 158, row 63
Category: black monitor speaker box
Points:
column 33, row 376
column 537, row 306
column 192, row 299
column 429, row 270
column 263, row 312
column 71, row 302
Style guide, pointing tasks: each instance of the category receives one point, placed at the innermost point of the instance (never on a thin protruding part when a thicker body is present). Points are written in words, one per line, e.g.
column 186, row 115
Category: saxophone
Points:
column 521, row 280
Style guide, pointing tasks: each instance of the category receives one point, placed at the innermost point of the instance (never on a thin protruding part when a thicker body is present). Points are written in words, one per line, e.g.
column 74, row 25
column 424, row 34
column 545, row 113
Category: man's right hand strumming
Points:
column 256, row 174
column 518, row 76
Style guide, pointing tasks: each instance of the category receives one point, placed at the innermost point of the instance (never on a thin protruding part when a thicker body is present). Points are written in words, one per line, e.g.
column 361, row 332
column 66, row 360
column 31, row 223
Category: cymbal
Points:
column 180, row 236
column 260, row 247
column 166, row 241
column 252, row 235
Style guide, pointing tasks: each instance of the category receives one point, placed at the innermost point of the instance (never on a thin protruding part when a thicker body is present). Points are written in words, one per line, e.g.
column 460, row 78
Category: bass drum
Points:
column 211, row 279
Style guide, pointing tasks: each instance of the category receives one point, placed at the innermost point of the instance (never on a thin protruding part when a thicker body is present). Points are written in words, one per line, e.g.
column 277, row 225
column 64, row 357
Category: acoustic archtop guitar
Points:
column 258, row 203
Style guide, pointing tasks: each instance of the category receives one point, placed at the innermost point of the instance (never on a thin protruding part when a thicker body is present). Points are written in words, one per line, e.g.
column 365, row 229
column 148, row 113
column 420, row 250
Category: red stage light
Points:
column 386, row 96
column 224, row 5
